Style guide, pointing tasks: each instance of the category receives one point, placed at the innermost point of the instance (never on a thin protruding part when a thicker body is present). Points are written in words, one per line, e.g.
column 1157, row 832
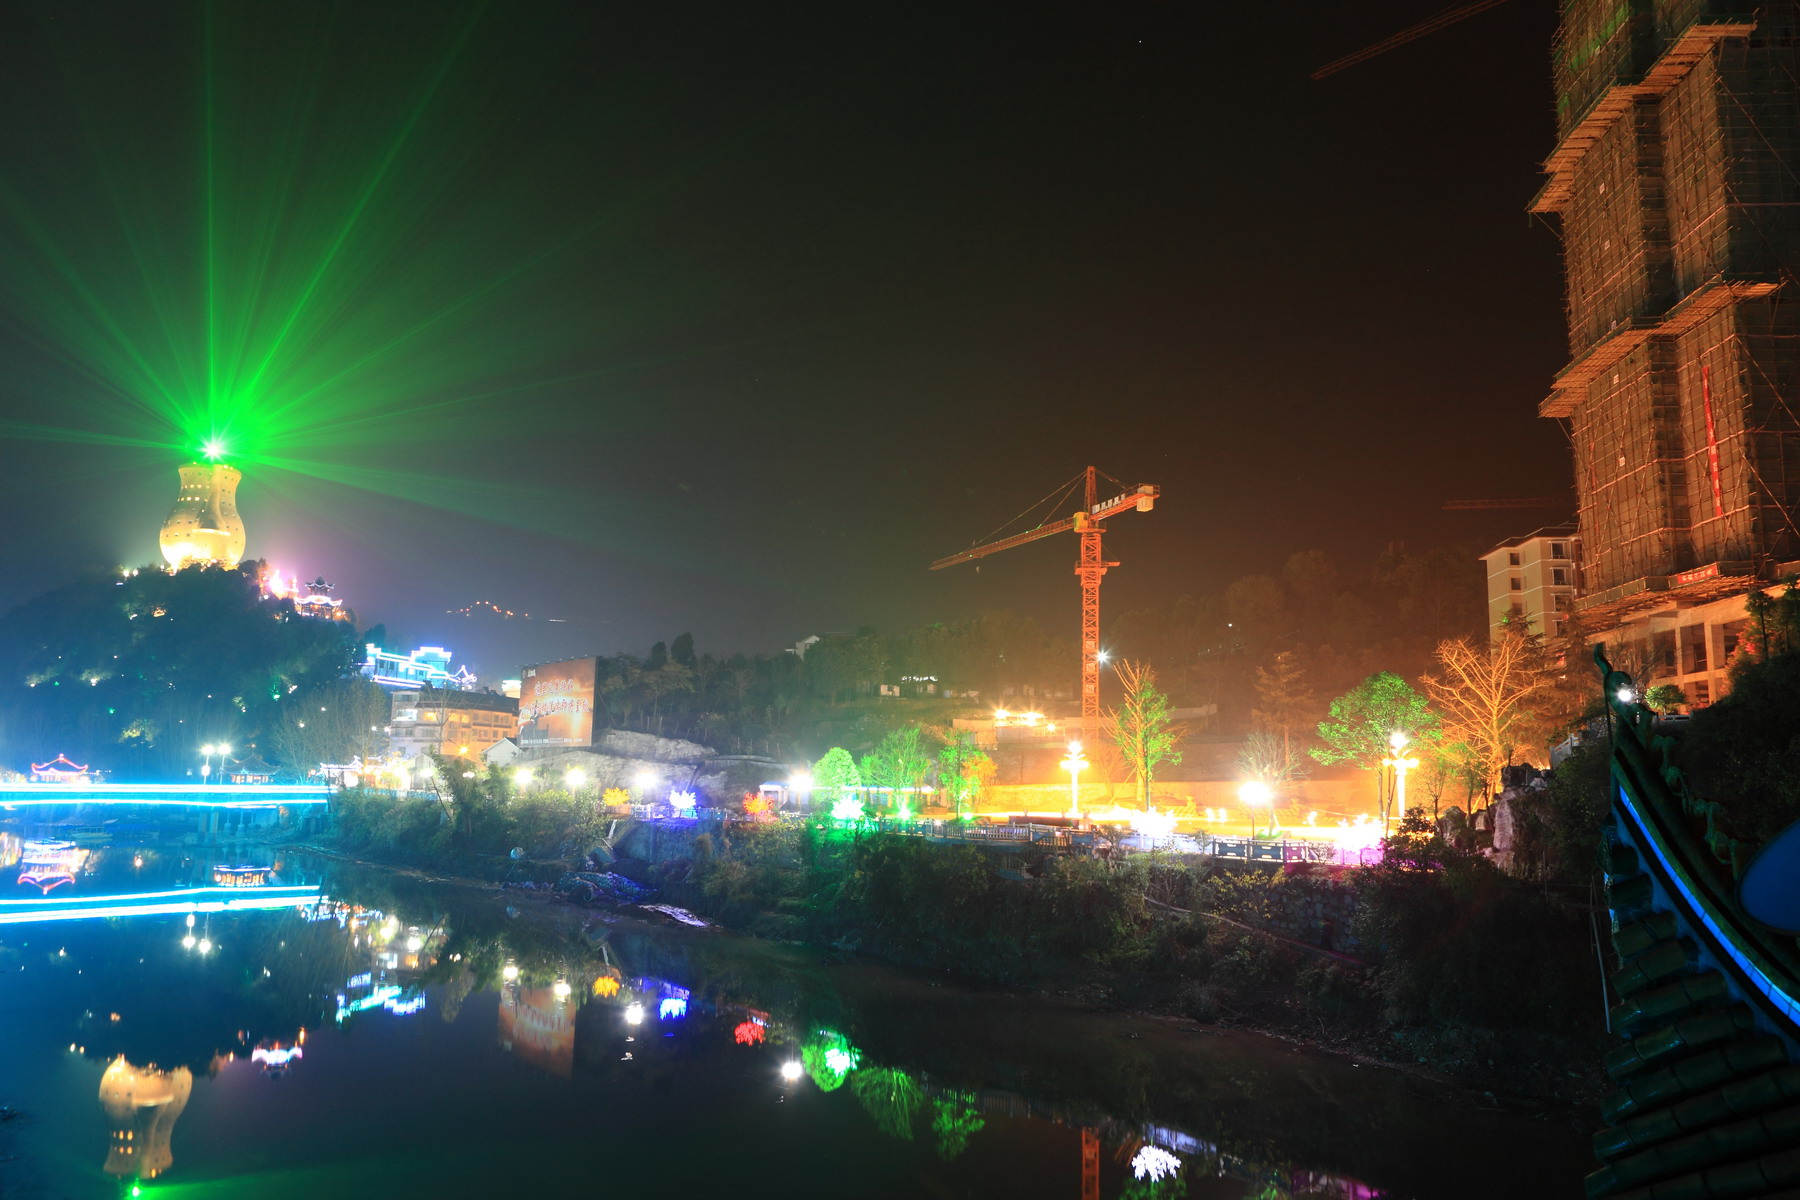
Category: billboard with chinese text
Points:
column 556, row 704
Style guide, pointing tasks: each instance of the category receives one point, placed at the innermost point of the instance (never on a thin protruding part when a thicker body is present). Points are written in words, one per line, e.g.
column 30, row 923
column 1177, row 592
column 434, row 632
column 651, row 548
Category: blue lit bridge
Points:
column 1708, row 999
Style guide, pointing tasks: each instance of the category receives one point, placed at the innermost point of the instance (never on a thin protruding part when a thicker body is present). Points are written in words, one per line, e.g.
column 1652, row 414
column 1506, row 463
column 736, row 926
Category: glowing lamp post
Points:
column 1075, row 764
column 802, row 785
column 1401, row 763
column 1254, row 793
column 207, row 752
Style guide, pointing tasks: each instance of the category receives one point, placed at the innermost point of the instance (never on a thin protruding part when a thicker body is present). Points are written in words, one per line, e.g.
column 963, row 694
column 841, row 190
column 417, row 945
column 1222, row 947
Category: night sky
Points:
column 751, row 311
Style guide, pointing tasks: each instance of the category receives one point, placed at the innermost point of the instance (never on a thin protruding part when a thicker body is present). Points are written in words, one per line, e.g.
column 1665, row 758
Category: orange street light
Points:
column 1075, row 764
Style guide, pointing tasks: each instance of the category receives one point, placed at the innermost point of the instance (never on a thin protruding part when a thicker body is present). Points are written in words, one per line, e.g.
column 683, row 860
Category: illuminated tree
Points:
column 1665, row 698
column 1363, row 719
column 1487, row 695
column 834, row 776
column 1141, row 728
column 1264, row 756
column 964, row 769
column 899, row 761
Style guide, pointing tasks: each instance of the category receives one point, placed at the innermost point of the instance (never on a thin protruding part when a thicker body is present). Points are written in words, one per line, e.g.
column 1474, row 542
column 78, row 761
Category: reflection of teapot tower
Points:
column 142, row 1104
column 204, row 526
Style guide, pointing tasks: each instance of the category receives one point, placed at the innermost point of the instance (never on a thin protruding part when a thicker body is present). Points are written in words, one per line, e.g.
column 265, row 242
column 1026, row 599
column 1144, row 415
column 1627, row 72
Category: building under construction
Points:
column 1676, row 176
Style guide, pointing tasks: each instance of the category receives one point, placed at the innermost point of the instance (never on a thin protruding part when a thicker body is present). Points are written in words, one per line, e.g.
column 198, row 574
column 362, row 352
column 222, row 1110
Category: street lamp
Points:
column 207, row 752
column 1401, row 763
column 801, row 782
column 1075, row 764
column 575, row 777
column 1254, row 792
column 522, row 777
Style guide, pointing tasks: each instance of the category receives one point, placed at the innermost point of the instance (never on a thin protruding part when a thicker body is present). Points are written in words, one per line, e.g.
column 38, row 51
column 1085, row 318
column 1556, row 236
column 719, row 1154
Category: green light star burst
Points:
column 295, row 239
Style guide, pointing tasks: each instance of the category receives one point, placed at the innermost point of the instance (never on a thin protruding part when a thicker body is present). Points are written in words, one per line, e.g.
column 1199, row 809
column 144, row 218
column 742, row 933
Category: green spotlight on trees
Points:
column 214, row 449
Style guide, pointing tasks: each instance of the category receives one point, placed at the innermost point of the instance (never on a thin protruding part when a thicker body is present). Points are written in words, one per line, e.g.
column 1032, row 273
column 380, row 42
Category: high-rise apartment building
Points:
column 1675, row 180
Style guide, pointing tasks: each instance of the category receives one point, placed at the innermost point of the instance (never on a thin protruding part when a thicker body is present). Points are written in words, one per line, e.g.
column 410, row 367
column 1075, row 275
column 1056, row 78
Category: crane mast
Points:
column 1090, row 568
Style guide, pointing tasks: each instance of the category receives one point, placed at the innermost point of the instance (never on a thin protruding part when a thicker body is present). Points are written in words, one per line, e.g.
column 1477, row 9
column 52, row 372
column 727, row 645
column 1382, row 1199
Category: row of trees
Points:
column 1481, row 705
column 905, row 761
column 1139, row 734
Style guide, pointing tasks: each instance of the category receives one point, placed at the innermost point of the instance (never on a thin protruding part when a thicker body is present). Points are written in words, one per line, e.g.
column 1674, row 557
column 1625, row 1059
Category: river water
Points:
column 395, row 1037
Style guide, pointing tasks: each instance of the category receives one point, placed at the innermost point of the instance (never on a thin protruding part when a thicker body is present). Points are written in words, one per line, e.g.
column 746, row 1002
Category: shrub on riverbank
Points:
column 1465, row 944
column 468, row 824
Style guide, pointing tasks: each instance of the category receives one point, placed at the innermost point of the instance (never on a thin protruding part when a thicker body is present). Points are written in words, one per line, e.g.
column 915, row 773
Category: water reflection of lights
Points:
column 142, row 1105
column 275, row 1057
column 141, row 904
column 240, row 877
column 388, row 996
column 1155, row 1164
column 49, row 864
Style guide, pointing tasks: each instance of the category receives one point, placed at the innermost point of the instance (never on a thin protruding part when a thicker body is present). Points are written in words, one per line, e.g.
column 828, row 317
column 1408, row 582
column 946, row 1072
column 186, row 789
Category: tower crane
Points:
column 1430, row 25
column 1090, row 566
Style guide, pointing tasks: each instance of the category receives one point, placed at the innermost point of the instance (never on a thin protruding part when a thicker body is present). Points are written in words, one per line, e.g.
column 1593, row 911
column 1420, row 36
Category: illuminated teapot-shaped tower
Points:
column 204, row 526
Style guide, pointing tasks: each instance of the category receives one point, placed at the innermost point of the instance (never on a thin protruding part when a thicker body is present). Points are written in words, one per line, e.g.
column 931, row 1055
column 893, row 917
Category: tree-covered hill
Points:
column 132, row 673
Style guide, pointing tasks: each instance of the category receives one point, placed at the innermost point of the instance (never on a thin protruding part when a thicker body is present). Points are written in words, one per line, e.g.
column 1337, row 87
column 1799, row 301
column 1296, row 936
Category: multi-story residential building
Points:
column 1535, row 578
column 449, row 722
